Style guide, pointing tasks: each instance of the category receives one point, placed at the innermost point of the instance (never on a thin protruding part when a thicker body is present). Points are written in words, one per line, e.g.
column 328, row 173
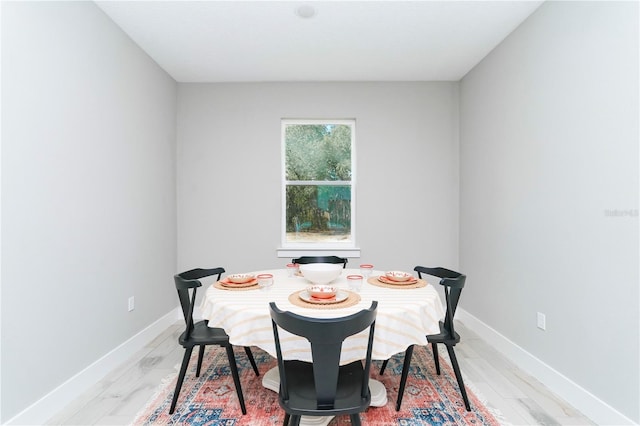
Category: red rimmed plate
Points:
column 384, row 279
column 225, row 282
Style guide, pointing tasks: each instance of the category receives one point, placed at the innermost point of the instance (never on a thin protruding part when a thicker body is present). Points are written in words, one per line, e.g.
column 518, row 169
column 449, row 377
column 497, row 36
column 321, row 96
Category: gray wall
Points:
column 229, row 201
column 549, row 149
column 88, row 193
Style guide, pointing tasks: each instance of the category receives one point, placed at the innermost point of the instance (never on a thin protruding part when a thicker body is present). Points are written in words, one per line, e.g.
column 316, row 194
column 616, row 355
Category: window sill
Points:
column 317, row 251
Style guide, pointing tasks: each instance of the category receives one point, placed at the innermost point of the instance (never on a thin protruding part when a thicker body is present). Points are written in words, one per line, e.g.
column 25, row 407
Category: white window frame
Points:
column 345, row 249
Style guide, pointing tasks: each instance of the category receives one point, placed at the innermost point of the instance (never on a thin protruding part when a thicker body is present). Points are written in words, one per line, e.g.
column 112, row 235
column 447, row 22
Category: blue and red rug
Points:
column 211, row 400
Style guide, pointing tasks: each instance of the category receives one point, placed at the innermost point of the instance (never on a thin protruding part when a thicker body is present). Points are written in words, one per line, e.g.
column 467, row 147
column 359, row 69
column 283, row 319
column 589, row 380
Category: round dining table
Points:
column 406, row 315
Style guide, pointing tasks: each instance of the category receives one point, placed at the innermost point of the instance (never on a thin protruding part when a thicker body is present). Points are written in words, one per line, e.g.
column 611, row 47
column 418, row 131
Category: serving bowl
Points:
column 322, row 291
column 240, row 278
column 321, row 273
column 398, row 276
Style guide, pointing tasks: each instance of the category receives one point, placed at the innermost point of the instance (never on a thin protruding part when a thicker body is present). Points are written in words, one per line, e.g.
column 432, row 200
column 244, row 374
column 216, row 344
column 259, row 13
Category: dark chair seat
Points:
column 443, row 336
column 203, row 333
column 302, row 392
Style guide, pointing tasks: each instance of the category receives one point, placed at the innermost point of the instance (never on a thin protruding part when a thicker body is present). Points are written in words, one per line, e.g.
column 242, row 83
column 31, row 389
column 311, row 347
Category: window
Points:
column 318, row 184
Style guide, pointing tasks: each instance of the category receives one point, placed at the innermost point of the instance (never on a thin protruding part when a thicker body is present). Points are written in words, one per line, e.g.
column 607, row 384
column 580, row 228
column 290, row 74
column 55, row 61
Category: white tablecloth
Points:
column 405, row 316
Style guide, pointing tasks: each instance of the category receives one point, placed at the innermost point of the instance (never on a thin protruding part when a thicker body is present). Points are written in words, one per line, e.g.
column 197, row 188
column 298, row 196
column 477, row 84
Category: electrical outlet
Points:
column 131, row 303
column 542, row 321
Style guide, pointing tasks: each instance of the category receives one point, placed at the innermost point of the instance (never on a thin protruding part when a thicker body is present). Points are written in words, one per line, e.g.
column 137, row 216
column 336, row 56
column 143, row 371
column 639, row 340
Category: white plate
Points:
column 341, row 296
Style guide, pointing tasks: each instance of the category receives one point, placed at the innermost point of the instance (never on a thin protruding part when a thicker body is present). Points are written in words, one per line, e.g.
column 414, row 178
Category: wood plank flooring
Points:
column 117, row 398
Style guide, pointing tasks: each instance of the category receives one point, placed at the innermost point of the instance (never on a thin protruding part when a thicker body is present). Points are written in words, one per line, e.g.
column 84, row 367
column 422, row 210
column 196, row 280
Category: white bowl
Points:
column 322, row 291
column 321, row 273
column 398, row 276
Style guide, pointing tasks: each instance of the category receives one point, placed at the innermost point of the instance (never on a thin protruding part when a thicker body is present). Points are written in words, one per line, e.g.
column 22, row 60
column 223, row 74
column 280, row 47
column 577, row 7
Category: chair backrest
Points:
column 453, row 283
column 326, row 336
column 321, row 259
column 187, row 282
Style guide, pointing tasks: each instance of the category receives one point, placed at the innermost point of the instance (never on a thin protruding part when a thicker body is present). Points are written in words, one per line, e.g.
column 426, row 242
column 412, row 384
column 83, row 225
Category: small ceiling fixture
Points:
column 305, row 11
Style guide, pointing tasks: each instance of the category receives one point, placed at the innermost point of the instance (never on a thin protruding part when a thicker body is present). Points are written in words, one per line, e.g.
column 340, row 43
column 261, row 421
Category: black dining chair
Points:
column 320, row 259
column 200, row 334
column 323, row 387
column 453, row 283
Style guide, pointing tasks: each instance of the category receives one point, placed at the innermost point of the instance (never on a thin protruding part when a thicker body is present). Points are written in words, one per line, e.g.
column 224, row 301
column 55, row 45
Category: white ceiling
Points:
column 233, row 41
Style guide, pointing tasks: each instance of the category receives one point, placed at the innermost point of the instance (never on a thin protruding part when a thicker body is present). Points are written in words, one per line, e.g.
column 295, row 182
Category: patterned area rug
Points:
column 429, row 399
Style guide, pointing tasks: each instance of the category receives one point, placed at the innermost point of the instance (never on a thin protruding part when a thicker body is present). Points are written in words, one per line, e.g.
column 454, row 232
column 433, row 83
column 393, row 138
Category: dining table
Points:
column 407, row 312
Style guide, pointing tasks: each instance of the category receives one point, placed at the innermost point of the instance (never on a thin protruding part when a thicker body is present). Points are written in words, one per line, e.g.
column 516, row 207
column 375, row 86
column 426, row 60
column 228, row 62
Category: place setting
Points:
column 322, row 296
column 397, row 279
column 240, row 282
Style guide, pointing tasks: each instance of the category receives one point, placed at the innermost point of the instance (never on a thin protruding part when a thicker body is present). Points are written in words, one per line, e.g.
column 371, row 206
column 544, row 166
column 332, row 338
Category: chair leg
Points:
column 183, row 371
column 200, row 356
column 405, row 372
column 436, row 359
column 355, row 419
column 295, row 420
column 247, row 350
column 286, row 419
column 384, row 365
column 236, row 377
column 456, row 370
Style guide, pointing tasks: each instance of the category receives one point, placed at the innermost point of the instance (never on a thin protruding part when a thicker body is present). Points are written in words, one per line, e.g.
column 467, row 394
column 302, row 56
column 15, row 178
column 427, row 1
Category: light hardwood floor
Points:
column 523, row 400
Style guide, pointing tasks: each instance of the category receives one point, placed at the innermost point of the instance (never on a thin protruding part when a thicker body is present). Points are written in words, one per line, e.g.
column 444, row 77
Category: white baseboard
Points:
column 49, row 405
column 581, row 399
